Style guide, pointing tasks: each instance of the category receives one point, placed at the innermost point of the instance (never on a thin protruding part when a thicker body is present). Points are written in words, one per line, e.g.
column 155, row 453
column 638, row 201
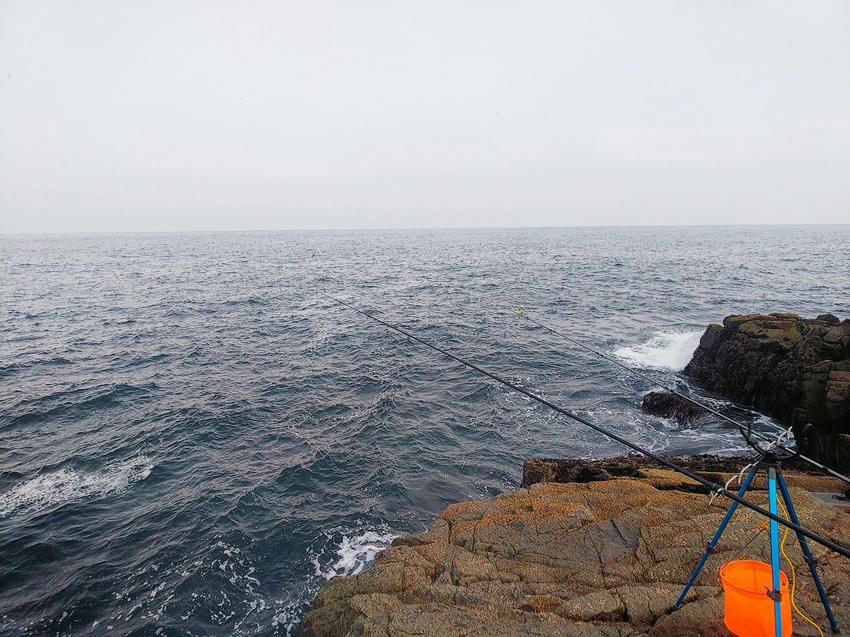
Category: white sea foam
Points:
column 66, row 485
column 355, row 553
column 665, row 350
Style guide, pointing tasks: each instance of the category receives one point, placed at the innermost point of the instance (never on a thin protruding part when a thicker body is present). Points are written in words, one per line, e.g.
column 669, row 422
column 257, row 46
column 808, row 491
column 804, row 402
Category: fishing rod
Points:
column 749, row 431
column 610, row 434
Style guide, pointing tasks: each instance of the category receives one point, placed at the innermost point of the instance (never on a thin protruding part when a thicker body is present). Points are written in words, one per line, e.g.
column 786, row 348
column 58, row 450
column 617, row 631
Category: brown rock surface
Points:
column 607, row 557
column 796, row 370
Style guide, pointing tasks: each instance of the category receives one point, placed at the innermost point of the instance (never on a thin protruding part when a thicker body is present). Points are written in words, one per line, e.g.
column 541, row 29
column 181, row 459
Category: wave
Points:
column 355, row 553
column 67, row 485
column 665, row 350
column 80, row 401
column 13, row 368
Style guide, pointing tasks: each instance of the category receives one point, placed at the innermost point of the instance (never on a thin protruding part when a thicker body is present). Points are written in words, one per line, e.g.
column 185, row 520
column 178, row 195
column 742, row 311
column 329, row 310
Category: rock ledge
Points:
column 604, row 557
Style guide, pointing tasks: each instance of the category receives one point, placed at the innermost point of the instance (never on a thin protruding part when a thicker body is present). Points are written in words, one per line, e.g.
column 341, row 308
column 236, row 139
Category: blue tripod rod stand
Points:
column 774, row 481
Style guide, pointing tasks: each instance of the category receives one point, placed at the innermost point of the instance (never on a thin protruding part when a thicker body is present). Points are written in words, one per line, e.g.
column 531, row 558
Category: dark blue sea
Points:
column 192, row 438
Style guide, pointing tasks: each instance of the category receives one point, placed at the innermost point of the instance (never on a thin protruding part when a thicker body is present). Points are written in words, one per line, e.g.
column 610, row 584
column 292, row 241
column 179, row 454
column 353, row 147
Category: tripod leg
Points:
column 774, row 550
column 804, row 546
column 710, row 548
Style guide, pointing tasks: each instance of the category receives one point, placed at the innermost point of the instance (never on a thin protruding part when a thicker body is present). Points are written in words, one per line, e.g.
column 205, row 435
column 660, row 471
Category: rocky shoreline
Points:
column 604, row 547
column 605, row 555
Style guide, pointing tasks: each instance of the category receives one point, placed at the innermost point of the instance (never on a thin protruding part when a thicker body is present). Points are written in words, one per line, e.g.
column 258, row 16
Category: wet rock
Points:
column 796, row 370
column 829, row 319
column 670, row 406
column 595, row 558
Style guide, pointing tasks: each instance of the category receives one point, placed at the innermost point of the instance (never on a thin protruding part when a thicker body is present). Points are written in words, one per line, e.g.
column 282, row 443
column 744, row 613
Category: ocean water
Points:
column 192, row 438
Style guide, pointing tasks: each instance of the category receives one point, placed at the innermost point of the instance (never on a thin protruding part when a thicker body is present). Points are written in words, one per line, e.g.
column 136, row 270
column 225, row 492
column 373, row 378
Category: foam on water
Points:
column 665, row 350
column 233, row 599
column 352, row 553
column 355, row 553
column 66, row 485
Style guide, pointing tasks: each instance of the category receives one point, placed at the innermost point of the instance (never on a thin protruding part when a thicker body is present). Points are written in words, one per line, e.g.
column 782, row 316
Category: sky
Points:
column 167, row 116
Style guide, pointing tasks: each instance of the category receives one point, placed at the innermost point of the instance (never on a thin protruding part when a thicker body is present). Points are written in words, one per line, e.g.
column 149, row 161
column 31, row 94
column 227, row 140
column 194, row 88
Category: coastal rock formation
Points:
column 796, row 370
column 670, row 406
column 598, row 558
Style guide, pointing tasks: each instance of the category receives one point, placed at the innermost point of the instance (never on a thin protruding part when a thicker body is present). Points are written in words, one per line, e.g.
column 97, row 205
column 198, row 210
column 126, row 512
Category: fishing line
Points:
column 749, row 431
column 659, row 459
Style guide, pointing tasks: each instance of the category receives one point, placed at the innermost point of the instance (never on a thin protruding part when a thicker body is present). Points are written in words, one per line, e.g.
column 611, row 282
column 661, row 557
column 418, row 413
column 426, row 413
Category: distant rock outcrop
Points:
column 793, row 369
column 606, row 557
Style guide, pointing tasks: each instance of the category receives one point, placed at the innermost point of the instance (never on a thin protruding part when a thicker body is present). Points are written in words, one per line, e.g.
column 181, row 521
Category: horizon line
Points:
column 415, row 228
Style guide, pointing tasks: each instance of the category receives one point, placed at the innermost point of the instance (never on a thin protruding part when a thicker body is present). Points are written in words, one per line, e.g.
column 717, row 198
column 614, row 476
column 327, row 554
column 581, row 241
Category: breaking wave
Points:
column 665, row 350
column 65, row 485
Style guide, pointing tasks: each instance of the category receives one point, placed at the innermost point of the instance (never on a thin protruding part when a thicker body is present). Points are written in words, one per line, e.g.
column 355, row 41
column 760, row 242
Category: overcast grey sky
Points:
column 246, row 115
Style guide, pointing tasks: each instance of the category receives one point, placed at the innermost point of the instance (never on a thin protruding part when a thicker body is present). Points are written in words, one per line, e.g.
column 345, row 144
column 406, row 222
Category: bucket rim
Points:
column 763, row 566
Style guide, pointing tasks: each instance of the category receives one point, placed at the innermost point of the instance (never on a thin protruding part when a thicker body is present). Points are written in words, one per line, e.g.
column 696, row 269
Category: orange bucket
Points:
column 747, row 609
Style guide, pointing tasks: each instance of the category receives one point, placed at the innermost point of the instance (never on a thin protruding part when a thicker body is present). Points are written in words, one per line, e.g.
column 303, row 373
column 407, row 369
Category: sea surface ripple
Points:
column 192, row 438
